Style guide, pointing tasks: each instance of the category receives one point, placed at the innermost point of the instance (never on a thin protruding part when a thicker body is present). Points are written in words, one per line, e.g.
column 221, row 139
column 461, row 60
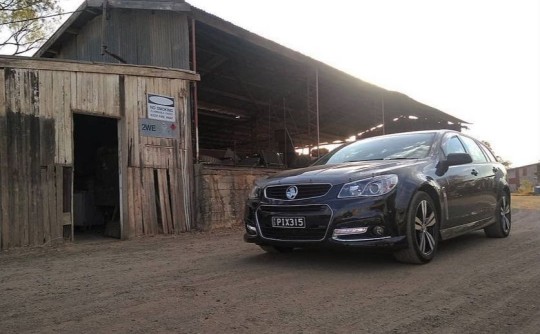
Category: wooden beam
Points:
column 151, row 5
column 72, row 31
column 88, row 67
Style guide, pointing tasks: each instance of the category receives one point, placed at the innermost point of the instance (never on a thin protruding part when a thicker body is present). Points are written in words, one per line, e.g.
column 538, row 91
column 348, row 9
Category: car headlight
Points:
column 255, row 192
column 375, row 186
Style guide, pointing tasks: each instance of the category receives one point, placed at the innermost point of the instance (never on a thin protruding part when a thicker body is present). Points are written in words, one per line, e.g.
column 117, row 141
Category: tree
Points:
column 24, row 24
column 505, row 163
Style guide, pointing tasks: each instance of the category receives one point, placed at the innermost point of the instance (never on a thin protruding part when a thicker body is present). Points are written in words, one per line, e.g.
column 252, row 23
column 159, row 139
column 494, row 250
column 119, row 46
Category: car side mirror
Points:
column 453, row 159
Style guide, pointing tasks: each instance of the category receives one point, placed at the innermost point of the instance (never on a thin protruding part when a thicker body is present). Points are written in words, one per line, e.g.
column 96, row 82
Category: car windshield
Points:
column 402, row 146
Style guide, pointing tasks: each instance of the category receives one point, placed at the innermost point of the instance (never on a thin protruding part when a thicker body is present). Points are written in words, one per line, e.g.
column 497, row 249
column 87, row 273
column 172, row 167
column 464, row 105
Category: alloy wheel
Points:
column 505, row 215
column 424, row 225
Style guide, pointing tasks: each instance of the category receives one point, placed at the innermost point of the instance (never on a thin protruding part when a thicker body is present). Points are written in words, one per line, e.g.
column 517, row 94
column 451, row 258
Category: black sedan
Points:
column 404, row 192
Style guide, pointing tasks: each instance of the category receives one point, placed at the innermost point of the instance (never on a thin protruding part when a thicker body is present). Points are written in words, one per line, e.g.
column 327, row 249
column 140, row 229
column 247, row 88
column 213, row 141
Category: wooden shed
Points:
column 78, row 136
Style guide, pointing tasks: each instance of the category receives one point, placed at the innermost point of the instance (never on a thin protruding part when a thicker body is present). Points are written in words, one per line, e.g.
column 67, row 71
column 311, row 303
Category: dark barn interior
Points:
column 95, row 182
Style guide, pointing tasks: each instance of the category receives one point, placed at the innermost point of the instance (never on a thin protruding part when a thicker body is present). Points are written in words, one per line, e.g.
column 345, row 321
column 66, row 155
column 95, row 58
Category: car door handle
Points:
column 474, row 172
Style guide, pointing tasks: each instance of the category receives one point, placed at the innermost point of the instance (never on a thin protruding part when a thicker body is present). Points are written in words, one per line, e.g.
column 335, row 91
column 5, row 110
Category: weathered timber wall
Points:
column 222, row 193
column 158, row 170
column 37, row 102
column 35, row 158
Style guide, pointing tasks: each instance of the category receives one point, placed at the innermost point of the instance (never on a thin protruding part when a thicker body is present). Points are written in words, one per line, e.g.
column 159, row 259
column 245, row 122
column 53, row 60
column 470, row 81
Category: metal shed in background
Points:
column 72, row 142
column 248, row 82
column 257, row 101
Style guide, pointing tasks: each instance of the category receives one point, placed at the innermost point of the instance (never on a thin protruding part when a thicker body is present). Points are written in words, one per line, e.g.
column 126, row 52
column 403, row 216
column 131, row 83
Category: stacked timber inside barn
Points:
column 39, row 100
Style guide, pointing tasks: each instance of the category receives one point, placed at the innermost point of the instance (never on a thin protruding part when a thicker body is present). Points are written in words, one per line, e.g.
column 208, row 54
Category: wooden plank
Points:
column 114, row 83
column 150, row 213
column 144, row 203
column 24, row 196
column 162, row 205
column 46, row 94
column 45, row 99
column 137, row 198
column 177, row 200
column 151, row 5
column 4, row 168
column 164, row 201
column 34, row 222
column 14, row 138
column 35, row 213
column 125, row 228
column 63, row 118
column 2, row 94
column 129, row 107
column 131, row 230
column 88, row 67
column 68, row 121
column 58, row 223
column 57, row 115
column 51, row 207
column 96, row 94
column 46, row 121
column 74, row 96
column 43, row 212
column 51, row 182
column 148, row 84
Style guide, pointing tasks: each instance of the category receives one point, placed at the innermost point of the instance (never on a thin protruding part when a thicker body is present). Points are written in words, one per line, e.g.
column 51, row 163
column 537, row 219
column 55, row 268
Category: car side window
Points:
column 453, row 145
column 474, row 150
column 488, row 153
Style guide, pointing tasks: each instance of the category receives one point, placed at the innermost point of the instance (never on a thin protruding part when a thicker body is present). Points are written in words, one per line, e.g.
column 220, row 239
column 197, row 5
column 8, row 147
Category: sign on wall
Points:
column 153, row 128
column 161, row 108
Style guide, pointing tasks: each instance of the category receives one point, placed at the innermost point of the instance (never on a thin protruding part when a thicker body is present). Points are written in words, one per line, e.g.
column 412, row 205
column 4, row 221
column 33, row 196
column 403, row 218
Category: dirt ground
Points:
column 215, row 283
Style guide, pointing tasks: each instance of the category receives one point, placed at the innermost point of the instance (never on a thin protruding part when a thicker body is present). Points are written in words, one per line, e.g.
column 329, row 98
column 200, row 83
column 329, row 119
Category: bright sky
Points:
column 477, row 60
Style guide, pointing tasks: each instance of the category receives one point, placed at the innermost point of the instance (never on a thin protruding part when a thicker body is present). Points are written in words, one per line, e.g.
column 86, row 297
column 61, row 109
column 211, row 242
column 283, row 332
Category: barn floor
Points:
column 215, row 283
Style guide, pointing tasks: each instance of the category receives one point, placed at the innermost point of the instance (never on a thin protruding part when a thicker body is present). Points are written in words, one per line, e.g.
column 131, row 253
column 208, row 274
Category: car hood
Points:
column 337, row 173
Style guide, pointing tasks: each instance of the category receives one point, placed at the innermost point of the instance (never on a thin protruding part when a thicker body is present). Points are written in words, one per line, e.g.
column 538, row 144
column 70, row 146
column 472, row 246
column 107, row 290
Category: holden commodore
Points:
column 403, row 192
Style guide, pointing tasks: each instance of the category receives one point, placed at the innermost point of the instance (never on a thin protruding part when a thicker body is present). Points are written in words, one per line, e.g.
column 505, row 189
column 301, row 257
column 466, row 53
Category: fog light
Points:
column 251, row 229
column 348, row 231
column 378, row 230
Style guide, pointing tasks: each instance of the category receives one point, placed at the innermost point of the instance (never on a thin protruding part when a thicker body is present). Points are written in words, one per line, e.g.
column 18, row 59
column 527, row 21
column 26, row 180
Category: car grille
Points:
column 317, row 220
column 304, row 191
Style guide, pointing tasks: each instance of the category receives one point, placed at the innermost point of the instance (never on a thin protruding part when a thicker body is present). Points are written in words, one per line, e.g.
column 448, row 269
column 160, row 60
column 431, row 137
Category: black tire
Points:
column 422, row 231
column 503, row 219
column 276, row 249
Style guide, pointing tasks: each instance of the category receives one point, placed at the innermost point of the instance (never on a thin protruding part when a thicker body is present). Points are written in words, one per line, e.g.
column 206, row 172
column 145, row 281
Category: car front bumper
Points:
column 379, row 222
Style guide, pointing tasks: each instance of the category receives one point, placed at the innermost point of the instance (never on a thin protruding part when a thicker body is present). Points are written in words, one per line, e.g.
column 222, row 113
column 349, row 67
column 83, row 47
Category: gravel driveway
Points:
column 215, row 283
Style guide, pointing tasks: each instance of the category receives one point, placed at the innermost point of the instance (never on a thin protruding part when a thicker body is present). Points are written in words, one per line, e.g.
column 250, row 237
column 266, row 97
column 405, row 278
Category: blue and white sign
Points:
column 161, row 108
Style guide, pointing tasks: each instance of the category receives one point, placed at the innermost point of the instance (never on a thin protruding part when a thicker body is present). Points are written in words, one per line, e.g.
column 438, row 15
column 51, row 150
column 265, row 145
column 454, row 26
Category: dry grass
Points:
column 525, row 202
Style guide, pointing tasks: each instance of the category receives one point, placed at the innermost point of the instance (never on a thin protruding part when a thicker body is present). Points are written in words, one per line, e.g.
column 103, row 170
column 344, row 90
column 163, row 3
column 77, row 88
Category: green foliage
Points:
column 25, row 24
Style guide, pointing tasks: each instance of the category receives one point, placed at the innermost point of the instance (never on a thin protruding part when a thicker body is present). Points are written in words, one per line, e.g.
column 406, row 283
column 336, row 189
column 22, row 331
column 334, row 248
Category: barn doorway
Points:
column 96, row 204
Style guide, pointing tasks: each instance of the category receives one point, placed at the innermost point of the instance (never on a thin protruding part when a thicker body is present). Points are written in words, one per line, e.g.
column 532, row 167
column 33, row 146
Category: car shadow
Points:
column 347, row 259
column 333, row 259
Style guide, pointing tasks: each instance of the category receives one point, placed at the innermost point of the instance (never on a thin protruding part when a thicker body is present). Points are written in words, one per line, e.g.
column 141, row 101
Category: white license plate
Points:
column 289, row 222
